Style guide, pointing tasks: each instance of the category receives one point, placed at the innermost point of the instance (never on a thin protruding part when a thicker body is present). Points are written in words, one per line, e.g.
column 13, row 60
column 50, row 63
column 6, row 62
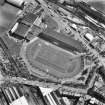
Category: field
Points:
column 52, row 59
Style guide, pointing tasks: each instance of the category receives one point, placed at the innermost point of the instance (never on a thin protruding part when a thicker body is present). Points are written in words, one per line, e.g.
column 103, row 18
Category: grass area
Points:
column 12, row 45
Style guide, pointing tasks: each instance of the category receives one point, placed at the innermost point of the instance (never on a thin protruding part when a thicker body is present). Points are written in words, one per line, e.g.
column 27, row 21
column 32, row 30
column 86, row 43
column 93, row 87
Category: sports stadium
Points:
column 51, row 59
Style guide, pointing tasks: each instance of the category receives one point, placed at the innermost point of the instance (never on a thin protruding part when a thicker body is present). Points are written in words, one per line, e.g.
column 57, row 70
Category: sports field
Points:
column 52, row 59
